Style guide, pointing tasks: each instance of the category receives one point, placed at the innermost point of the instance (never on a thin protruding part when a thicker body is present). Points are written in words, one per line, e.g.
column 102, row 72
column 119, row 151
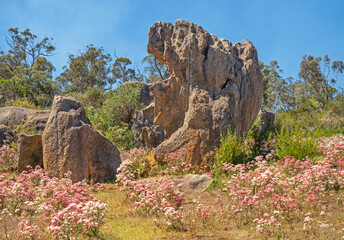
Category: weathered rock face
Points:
column 214, row 86
column 6, row 135
column 71, row 144
column 30, row 151
column 145, row 132
column 36, row 121
column 268, row 119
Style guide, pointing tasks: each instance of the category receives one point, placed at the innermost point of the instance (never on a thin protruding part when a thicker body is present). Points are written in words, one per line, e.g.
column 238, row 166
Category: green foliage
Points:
column 294, row 141
column 121, row 104
column 121, row 70
column 319, row 77
column 232, row 149
column 258, row 135
column 24, row 69
column 156, row 70
column 21, row 102
column 93, row 96
column 114, row 117
column 325, row 122
column 89, row 69
column 122, row 136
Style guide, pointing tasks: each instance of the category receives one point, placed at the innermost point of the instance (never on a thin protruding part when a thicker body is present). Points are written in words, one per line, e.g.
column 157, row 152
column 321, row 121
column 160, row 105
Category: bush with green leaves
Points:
column 93, row 96
column 122, row 136
column 294, row 141
column 114, row 117
column 233, row 149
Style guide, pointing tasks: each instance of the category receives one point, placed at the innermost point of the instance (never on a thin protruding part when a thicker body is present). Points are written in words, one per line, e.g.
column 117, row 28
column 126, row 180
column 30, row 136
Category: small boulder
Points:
column 193, row 183
column 153, row 135
column 30, row 151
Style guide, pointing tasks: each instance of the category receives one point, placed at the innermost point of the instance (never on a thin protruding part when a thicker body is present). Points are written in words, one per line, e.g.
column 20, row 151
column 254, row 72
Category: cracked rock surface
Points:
column 214, row 86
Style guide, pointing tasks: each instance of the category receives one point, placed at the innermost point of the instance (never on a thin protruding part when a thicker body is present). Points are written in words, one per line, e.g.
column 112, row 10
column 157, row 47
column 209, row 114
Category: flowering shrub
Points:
column 139, row 152
column 161, row 197
column 270, row 193
column 174, row 163
column 69, row 209
column 127, row 173
column 8, row 157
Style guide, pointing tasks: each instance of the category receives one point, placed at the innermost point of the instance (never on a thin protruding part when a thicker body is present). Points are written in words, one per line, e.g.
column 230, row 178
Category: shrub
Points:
column 120, row 105
column 21, row 102
column 69, row 210
column 8, row 157
column 123, row 137
column 93, row 96
column 233, row 150
column 114, row 117
column 295, row 142
column 174, row 163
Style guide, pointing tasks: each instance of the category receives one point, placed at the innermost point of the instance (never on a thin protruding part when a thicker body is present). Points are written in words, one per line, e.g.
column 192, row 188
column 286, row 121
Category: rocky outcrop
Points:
column 28, row 119
column 6, row 135
column 13, row 115
column 30, row 151
column 145, row 132
column 71, row 144
column 35, row 121
column 214, row 86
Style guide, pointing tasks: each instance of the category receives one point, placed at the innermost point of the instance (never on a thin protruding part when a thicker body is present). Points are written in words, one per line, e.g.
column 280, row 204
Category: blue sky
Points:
column 281, row 30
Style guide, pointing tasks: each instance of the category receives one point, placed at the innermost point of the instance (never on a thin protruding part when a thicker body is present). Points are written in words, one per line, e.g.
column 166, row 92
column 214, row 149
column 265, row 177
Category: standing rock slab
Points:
column 30, row 151
column 71, row 144
column 214, row 86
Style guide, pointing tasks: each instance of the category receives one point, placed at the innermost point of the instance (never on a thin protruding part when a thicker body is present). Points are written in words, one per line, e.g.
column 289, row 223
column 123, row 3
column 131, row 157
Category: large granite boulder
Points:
column 6, row 135
column 13, row 115
column 27, row 119
column 214, row 86
column 30, row 151
column 71, row 144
